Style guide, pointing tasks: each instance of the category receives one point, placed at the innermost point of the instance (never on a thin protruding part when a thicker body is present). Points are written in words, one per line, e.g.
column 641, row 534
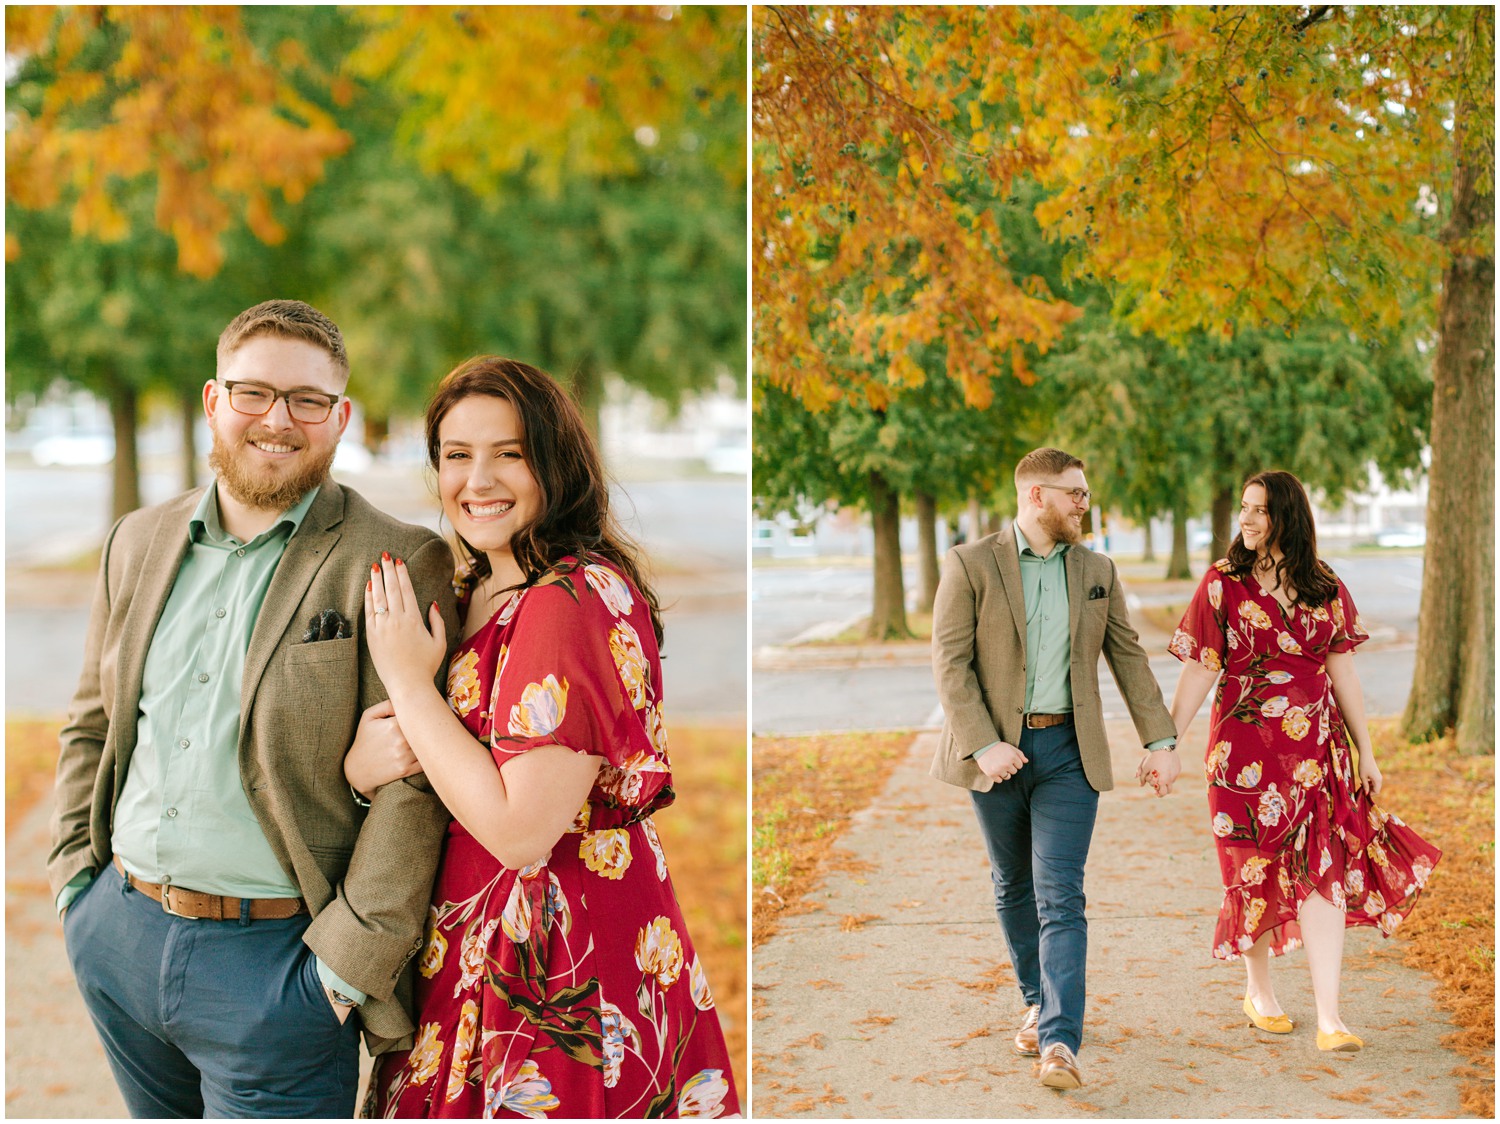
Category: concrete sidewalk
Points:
column 54, row 1065
column 896, row 999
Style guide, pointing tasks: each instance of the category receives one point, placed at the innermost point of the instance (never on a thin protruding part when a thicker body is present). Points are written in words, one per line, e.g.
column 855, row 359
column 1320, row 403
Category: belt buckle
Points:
column 166, row 904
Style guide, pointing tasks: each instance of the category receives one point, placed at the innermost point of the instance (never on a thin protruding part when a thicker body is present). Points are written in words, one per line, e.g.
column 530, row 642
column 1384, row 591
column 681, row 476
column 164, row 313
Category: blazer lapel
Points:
column 1009, row 563
column 158, row 573
column 1073, row 565
column 305, row 554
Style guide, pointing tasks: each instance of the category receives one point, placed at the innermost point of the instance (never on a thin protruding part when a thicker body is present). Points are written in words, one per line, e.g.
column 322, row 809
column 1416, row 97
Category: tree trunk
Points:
column 1453, row 684
column 588, row 392
column 1223, row 511
column 377, row 431
column 189, row 410
column 975, row 530
column 1178, row 565
column 127, row 471
column 1147, row 553
column 927, row 556
column 888, row 613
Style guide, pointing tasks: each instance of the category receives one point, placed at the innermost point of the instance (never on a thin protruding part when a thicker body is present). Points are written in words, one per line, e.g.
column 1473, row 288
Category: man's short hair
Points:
column 291, row 320
column 1047, row 463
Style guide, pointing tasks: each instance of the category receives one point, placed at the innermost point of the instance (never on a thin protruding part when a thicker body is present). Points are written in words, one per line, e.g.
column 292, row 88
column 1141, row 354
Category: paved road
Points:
column 694, row 531
column 894, row 690
column 877, row 697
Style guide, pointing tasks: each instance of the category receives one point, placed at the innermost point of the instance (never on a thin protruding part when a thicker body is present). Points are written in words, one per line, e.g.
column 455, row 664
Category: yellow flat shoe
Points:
column 1340, row 1041
column 1272, row 1024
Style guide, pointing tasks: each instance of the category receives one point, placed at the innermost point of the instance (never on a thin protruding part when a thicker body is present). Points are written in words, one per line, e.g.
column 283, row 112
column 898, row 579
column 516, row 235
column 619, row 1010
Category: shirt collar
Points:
column 205, row 524
column 1024, row 548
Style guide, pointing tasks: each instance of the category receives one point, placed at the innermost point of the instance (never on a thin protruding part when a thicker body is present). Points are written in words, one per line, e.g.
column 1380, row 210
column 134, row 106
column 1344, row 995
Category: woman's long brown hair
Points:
column 1292, row 531
column 575, row 517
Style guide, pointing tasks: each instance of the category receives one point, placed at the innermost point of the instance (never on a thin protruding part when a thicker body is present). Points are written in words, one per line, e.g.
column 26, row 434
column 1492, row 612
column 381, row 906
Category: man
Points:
column 227, row 904
column 1017, row 628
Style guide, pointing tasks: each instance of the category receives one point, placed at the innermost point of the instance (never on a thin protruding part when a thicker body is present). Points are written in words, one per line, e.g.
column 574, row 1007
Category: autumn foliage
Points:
column 220, row 129
column 617, row 82
column 1217, row 167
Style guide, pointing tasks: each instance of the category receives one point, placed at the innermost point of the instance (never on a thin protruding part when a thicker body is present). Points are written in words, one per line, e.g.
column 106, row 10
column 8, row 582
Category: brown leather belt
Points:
column 1042, row 721
column 198, row 906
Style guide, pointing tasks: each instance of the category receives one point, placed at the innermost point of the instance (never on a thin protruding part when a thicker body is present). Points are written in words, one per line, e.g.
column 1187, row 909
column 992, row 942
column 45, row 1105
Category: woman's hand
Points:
column 380, row 753
column 1369, row 775
column 406, row 654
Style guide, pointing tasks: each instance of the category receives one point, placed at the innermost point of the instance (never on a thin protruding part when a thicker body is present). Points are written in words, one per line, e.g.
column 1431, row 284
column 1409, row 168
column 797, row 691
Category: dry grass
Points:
column 918, row 624
column 30, row 763
column 1450, row 801
column 703, row 835
column 805, row 790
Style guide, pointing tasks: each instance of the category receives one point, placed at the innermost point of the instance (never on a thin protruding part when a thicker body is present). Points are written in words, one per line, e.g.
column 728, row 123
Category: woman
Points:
column 1303, row 848
column 557, row 977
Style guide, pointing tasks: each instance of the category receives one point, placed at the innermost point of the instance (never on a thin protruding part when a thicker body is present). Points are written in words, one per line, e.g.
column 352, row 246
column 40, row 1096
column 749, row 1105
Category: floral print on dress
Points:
column 463, row 683
column 541, row 709
column 630, row 661
column 1287, row 818
column 569, row 988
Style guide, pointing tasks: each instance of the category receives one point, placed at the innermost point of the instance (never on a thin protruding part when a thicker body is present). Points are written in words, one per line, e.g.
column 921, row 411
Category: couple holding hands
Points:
column 1020, row 621
column 311, row 782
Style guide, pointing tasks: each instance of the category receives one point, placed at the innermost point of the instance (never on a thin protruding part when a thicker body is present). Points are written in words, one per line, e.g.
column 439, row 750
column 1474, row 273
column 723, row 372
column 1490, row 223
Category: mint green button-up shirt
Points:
column 1049, row 641
column 1049, row 644
column 183, row 818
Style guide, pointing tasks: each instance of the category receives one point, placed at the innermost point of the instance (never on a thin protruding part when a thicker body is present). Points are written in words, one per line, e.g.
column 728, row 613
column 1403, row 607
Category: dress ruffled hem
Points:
column 1371, row 866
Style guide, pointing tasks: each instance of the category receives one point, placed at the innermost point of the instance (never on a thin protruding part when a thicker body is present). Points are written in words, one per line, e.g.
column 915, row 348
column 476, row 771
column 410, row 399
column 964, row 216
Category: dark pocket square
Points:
column 327, row 625
column 1097, row 592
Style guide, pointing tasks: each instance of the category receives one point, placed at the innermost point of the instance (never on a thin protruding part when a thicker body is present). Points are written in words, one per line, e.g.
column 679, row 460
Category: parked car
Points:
column 1402, row 534
column 72, row 449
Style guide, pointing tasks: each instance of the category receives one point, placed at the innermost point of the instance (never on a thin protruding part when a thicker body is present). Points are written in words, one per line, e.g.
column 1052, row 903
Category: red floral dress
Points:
column 1287, row 813
column 568, row 988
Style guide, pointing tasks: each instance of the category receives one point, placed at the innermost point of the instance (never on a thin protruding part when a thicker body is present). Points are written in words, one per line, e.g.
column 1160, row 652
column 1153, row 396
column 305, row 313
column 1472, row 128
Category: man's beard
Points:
column 255, row 490
column 1061, row 527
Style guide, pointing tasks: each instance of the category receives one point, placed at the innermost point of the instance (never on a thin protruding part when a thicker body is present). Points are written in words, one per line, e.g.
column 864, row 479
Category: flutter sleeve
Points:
column 1202, row 634
column 1348, row 630
column 581, row 670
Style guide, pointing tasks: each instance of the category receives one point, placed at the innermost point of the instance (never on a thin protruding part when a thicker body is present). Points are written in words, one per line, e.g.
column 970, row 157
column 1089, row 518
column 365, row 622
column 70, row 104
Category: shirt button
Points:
column 171, row 813
column 166, row 879
column 218, row 612
column 241, row 552
column 184, row 743
column 203, row 677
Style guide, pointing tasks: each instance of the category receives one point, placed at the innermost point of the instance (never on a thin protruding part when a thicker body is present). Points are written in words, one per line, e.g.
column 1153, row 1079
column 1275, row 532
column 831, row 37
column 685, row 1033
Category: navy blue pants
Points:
column 1037, row 827
column 208, row 1018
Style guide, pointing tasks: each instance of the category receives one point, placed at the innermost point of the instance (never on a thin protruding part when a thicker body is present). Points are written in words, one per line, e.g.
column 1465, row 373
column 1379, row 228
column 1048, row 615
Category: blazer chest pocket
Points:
column 314, row 692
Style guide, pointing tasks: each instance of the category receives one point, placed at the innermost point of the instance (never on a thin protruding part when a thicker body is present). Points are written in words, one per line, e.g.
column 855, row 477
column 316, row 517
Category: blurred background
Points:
column 561, row 185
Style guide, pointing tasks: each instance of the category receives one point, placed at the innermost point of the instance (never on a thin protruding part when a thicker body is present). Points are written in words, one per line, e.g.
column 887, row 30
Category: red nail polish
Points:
column 400, row 562
column 385, row 554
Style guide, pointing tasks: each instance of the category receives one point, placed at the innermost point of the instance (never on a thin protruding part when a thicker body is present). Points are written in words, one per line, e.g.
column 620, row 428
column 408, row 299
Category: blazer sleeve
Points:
column 1131, row 668
column 82, row 743
column 376, row 922
column 954, row 623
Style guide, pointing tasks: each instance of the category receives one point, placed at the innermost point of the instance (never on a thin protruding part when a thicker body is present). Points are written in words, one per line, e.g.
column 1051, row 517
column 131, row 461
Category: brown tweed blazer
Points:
column 979, row 658
column 365, row 875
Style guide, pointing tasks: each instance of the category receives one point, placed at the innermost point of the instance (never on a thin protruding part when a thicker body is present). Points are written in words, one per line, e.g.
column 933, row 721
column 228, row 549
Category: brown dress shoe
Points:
column 1026, row 1037
column 1060, row 1068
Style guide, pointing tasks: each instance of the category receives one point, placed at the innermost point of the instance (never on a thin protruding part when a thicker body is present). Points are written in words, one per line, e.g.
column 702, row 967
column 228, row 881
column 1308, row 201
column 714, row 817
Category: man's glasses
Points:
column 256, row 399
column 1080, row 495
